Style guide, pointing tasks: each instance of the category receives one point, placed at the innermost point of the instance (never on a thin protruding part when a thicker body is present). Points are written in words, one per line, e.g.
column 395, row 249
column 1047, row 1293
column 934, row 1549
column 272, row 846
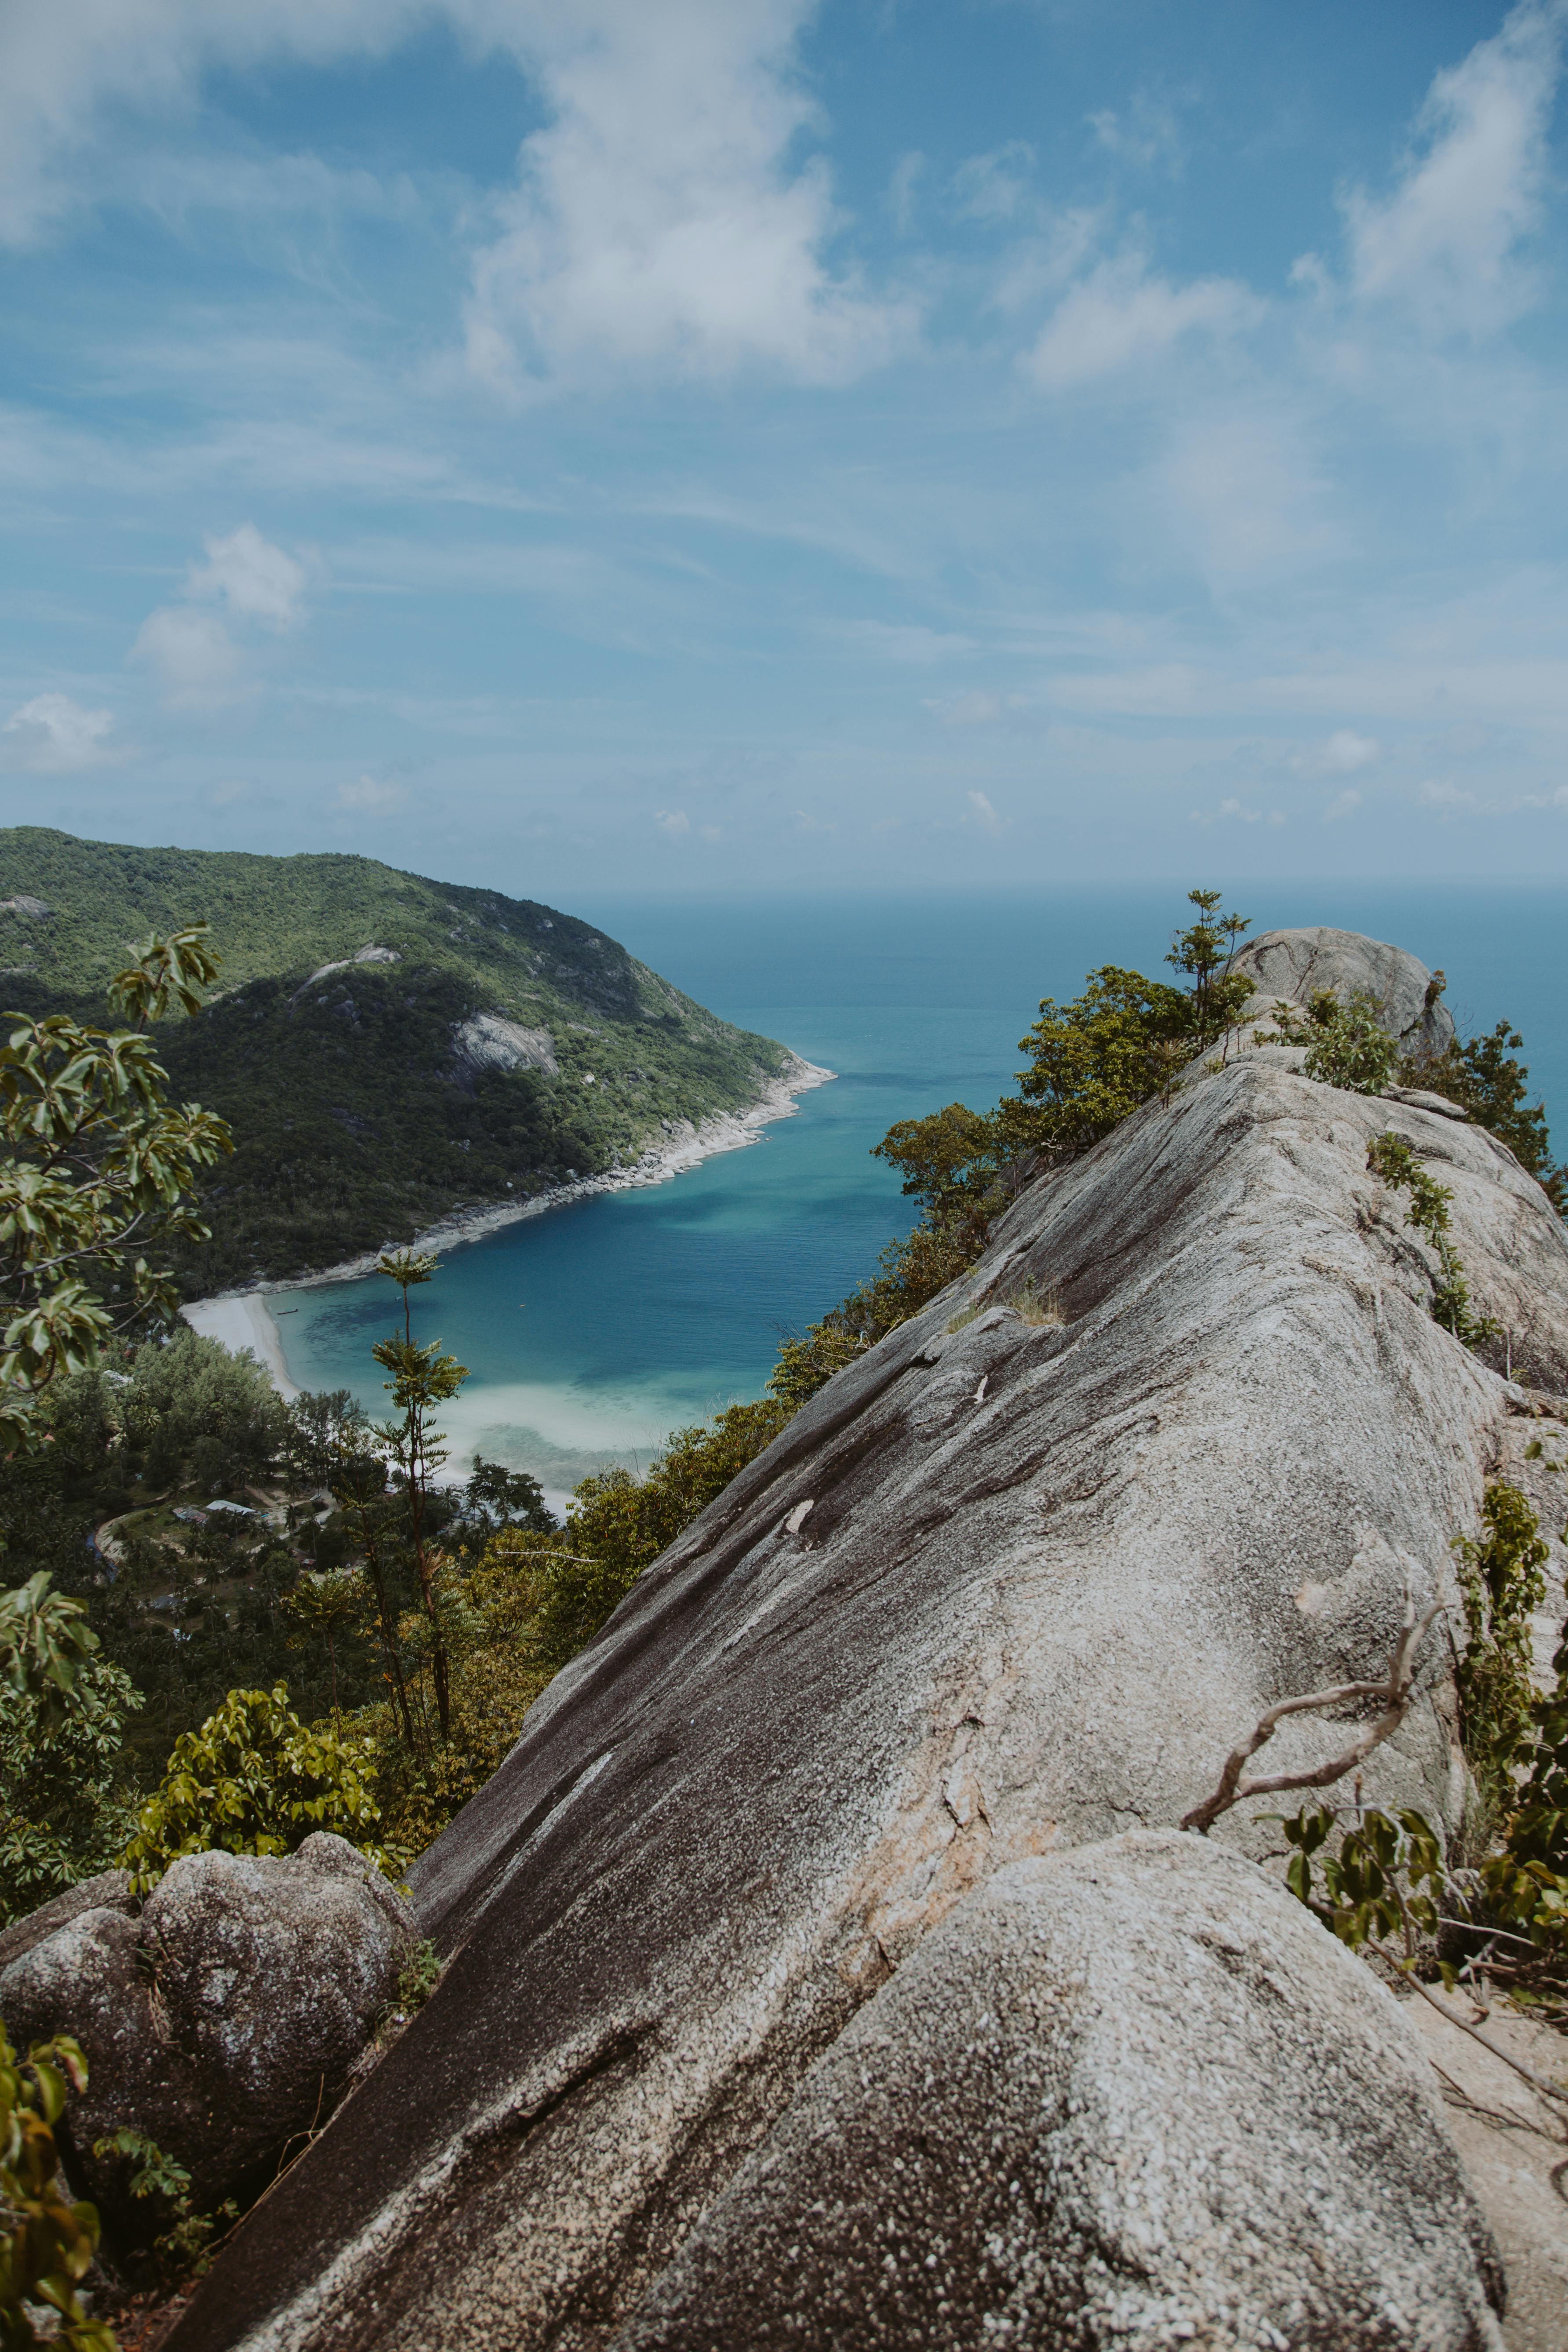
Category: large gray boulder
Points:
column 221, row 2021
column 1013, row 1583
column 1127, row 2096
column 1294, row 965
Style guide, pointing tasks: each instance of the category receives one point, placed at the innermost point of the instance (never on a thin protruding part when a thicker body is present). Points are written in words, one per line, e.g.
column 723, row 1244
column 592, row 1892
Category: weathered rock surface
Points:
column 221, row 2021
column 1294, row 965
column 1099, row 2107
column 999, row 1589
column 109, row 1890
column 489, row 1041
column 1514, row 2146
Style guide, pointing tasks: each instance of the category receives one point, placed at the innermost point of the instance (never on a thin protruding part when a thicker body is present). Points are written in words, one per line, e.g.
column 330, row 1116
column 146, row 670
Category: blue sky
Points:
column 675, row 445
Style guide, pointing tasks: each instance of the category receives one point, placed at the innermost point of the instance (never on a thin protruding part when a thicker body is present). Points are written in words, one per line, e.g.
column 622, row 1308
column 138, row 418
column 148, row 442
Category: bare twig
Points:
column 1396, row 1691
column 1548, row 2090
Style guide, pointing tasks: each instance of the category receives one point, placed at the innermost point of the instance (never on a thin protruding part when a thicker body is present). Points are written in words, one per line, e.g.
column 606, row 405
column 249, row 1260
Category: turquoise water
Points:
column 592, row 1330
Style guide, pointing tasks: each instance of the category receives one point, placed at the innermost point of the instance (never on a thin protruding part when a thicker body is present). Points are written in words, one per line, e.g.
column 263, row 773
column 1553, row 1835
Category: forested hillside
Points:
column 463, row 1049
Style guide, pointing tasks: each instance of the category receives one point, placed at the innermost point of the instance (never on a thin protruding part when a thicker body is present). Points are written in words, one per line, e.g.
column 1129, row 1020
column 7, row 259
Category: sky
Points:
column 675, row 446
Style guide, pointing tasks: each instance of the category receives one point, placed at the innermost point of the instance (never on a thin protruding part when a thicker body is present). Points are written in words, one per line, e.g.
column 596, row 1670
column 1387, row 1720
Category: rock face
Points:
column 1006, row 1586
column 1295, row 964
column 487, row 1040
column 109, row 1890
column 221, row 2021
column 1099, row 2107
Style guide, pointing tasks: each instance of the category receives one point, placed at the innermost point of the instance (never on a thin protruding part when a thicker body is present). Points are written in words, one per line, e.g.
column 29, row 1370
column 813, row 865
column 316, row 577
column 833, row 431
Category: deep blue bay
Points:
column 593, row 1329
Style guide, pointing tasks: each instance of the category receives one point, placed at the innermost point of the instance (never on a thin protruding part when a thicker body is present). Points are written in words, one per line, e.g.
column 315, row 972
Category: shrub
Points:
column 46, row 2244
column 255, row 1779
column 1347, row 1044
column 1390, row 1158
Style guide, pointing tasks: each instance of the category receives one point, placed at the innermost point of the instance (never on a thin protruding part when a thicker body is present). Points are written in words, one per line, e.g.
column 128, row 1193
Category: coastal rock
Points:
column 1129, row 2095
column 221, row 2021
column 1049, row 1573
column 1293, row 965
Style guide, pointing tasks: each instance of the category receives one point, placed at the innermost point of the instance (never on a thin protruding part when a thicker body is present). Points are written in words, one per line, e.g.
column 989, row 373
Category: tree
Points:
column 422, row 1380
column 254, row 1779
column 1206, row 951
column 495, row 1497
column 62, row 1711
column 1485, row 1077
column 98, row 1173
column 329, row 1603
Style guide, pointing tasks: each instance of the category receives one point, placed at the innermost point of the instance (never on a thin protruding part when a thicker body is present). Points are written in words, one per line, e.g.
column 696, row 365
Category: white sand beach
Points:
column 241, row 1318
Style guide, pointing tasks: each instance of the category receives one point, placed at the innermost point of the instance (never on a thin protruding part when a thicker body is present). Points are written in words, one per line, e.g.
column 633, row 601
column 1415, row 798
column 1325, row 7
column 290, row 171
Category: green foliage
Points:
column 255, row 1779
column 1387, row 1877
column 618, row 1524
column 422, row 1380
column 98, row 1169
column 1205, row 950
column 495, row 1497
column 1485, row 1078
column 62, row 1712
column 1526, row 1880
column 1093, row 1061
column 184, row 2249
column 1347, row 1044
column 353, row 1115
column 1390, row 1158
column 46, row 2244
column 192, row 1414
column 419, row 1977
column 1500, row 1576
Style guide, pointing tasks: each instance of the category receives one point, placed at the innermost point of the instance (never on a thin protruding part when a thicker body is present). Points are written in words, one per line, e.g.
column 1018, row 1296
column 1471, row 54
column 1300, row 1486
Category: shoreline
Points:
column 241, row 1319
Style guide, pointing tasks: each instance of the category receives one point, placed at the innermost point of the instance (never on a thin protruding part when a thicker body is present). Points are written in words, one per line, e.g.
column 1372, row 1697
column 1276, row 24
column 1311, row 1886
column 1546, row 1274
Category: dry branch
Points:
column 1396, row 1690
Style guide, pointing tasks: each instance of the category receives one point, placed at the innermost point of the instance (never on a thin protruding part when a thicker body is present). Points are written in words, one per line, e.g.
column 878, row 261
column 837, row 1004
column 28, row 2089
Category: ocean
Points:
column 593, row 1330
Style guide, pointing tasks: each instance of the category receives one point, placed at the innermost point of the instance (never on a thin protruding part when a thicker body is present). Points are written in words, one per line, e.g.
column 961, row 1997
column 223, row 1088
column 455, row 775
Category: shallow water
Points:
column 593, row 1330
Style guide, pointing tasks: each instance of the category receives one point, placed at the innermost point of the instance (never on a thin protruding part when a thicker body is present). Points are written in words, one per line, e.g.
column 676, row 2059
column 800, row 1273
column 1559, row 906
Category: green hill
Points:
column 464, row 1049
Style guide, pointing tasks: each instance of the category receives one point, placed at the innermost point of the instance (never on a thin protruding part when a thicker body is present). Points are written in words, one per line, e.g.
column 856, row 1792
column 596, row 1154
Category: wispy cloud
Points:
column 53, row 736
column 1443, row 244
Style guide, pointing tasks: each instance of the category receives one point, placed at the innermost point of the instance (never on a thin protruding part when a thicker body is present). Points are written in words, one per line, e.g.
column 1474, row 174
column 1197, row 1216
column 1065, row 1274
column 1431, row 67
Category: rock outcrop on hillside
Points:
column 1013, row 1583
column 1292, row 966
column 1077, row 2116
column 220, row 2021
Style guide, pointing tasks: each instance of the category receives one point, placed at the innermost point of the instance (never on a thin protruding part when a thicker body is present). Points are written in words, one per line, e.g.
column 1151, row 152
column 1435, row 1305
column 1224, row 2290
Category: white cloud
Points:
column 673, row 822
column 1244, row 497
column 660, row 222
column 908, row 641
column 60, row 66
column 982, row 814
column 1443, row 243
column 1345, row 751
column 995, row 187
column 372, row 796
column 53, row 736
column 1448, row 799
column 1120, row 316
column 197, row 663
column 1236, row 812
column 226, row 794
column 1146, row 134
column 907, row 174
column 977, row 709
column 1339, row 754
column 1342, row 804
column 256, row 579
